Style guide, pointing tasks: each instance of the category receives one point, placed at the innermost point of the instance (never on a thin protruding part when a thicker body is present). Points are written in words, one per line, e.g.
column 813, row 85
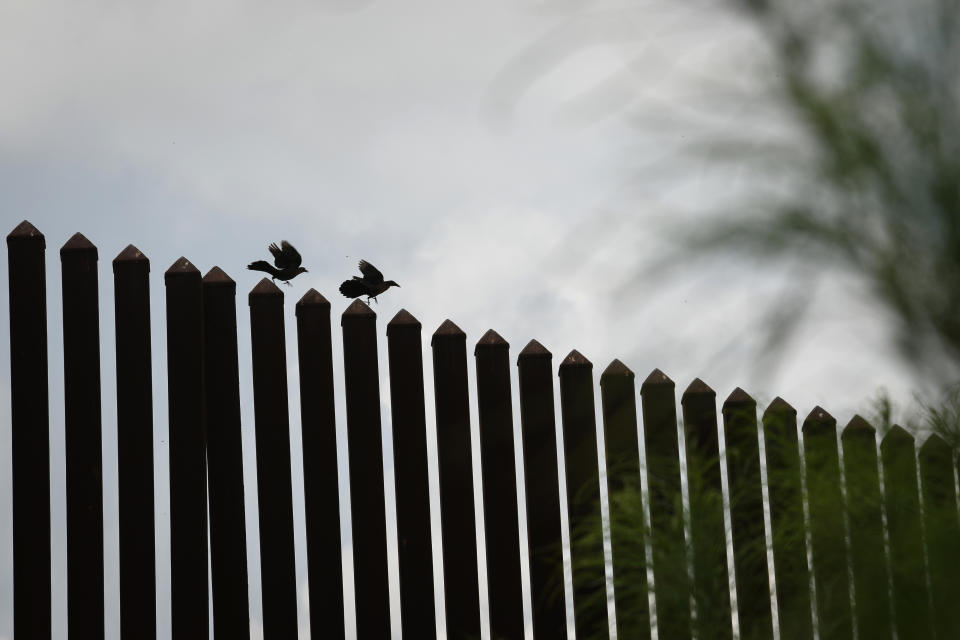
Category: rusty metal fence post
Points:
column 627, row 532
column 942, row 534
column 188, row 461
column 708, row 543
column 138, row 591
column 788, row 532
column 911, row 596
column 455, row 463
column 541, row 476
column 30, row 432
column 746, row 516
column 671, row 583
column 274, row 483
column 228, row 534
column 320, row 479
column 415, row 553
column 500, row 514
column 365, row 443
column 583, row 496
column 829, row 551
column 84, row 476
column 867, row 553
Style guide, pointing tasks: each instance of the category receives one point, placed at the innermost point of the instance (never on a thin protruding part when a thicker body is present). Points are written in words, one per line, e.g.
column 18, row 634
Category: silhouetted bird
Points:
column 371, row 284
column 287, row 260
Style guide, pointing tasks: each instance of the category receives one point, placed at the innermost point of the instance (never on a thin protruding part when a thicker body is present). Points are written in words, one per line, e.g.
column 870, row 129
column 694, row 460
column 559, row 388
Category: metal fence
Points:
column 882, row 530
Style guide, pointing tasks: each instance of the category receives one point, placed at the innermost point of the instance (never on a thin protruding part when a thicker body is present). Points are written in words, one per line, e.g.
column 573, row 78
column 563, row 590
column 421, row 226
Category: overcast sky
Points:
column 503, row 161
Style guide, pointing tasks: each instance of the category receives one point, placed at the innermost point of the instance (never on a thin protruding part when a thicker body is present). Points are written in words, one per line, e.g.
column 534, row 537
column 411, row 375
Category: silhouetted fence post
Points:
column 274, row 484
column 30, row 432
column 788, row 531
column 138, row 591
column 320, row 478
column 455, row 463
column 822, row 463
column 228, row 532
column 365, row 443
column 541, row 476
column 671, row 582
column 583, row 496
column 411, row 480
column 746, row 516
column 867, row 552
column 943, row 534
column 911, row 608
column 500, row 514
column 710, row 574
column 627, row 533
column 84, row 476
column 188, row 461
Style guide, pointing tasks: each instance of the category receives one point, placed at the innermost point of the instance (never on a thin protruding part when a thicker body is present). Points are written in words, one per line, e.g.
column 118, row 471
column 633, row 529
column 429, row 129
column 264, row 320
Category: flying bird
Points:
column 371, row 284
column 287, row 261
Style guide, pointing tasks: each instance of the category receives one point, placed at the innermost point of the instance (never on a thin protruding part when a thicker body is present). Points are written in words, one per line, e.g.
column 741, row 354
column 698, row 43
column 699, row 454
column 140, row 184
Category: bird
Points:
column 287, row 260
column 371, row 284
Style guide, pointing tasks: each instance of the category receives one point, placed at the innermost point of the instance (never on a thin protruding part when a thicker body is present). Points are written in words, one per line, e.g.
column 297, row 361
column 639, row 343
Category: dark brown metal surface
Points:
column 138, row 591
column 583, row 496
column 666, row 522
column 415, row 553
column 542, row 491
column 365, row 443
column 83, row 441
column 865, row 520
column 455, row 464
column 228, row 532
column 30, row 432
column 501, row 517
column 832, row 585
column 320, row 479
column 746, row 515
column 627, row 534
column 707, row 541
column 274, row 485
column 188, row 461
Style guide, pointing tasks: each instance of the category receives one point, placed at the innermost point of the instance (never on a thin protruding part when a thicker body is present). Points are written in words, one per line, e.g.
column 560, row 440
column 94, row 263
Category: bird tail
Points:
column 263, row 265
column 353, row 288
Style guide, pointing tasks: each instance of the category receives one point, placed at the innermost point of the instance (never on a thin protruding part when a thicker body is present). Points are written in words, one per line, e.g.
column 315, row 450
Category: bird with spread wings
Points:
column 287, row 261
column 371, row 284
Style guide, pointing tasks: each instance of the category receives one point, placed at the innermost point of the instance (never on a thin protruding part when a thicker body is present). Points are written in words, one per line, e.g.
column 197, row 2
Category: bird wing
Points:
column 285, row 256
column 370, row 272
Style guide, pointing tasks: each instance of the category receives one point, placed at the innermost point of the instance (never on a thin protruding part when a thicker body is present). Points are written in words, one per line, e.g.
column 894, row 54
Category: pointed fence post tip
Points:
column 26, row 232
column 656, row 378
column 217, row 277
column 78, row 243
column 575, row 359
column 313, row 298
column 896, row 436
column 616, row 368
column 491, row 339
column 265, row 292
column 818, row 421
column 534, row 350
column 779, row 406
column 403, row 320
column 698, row 388
column 131, row 256
column 858, row 428
column 181, row 267
column 738, row 397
